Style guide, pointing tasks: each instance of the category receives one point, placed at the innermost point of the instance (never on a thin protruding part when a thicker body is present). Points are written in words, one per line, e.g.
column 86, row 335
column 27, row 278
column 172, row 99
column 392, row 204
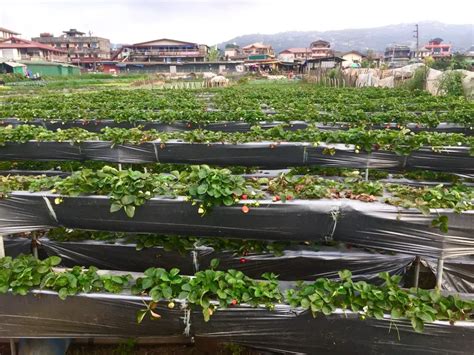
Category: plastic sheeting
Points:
column 225, row 126
column 117, row 256
column 283, row 330
column 45, row 316
column 458, row 273
column 295, row 264
column 298, row 332
column 267, row 154
column 16, row 246
column 373, row 225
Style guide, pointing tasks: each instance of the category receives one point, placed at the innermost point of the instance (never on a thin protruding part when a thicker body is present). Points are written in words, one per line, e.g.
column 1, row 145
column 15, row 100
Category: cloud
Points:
column 212, row 21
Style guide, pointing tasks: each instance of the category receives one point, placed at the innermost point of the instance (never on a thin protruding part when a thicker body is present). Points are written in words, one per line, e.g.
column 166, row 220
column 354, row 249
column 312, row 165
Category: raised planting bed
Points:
column 266, row 154
column 41, row 314
column 297, row 263
column 374, row 225
column 228, row 126
column 44, row 315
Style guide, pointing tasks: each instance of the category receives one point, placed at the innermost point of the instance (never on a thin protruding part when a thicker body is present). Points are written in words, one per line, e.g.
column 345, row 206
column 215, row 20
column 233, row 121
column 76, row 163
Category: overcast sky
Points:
column 213, row 21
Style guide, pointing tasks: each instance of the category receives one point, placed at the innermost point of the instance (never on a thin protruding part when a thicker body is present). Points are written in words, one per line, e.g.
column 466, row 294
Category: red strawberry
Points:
column 289, row 197
column 245, row 209
column 243, row 197
column 276, row 198
column 242, row 260
column 233, row 302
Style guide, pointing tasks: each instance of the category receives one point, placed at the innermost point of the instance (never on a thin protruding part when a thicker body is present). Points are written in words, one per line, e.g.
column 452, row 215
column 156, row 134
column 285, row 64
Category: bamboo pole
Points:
column 2, row 247
column 417, row 272
column 439, row 273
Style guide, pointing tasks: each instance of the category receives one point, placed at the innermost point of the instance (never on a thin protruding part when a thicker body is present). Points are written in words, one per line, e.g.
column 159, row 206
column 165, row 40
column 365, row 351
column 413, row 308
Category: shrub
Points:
column 451, row 84
column 418, row 81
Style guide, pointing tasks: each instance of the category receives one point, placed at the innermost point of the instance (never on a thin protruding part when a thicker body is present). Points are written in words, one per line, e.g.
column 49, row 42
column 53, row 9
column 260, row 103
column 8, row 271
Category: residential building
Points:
column 233, row 52
column 5, row 34
column 320, row 48
column 16, row 48
column 163, row 50
column 321, row 64
column 258, row 50
column 397, row 56
column 422, row 53
column 81, row 49
column 437, row 49
column 291, row 55
column 352, row 59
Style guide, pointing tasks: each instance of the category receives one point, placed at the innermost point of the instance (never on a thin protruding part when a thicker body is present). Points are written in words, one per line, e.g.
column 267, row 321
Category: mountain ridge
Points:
column 362, row 39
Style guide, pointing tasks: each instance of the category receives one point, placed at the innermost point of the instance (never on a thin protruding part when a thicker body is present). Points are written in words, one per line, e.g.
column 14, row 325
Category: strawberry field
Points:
column 291, row 211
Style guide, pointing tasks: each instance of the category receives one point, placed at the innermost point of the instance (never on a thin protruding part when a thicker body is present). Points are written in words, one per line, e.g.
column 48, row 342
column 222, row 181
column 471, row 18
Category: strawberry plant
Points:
column 181, row 244
column 214, row 187
column 208, row 187
column 25, row 273
column 420, row 306
column 212, row 290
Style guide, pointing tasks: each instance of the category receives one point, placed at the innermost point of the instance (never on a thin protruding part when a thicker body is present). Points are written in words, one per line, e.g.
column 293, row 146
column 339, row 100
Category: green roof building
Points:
column 51, row 68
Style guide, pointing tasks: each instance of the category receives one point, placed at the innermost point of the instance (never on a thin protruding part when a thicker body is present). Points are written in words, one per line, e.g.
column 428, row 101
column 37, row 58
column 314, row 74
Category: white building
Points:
column 352, row 59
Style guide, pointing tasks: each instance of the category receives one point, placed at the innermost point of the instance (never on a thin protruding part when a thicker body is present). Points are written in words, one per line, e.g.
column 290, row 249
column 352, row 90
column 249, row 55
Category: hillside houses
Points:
column 93, row 53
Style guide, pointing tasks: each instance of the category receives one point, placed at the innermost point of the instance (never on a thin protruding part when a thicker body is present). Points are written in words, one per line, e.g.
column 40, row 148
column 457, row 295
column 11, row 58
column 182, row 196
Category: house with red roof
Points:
column 258, row 49
column 437, row 49
column 291, row 55
column 15, row 48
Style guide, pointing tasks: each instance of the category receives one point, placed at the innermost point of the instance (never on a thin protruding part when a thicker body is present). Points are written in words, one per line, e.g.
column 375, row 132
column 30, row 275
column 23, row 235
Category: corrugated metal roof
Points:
column 14, row 64
column 171, row 42
column 297, row 50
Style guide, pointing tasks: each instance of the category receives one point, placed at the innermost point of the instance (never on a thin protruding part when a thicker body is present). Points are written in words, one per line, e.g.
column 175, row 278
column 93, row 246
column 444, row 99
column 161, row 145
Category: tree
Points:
column 369, row 61
column 457, row 61
column 213, row 55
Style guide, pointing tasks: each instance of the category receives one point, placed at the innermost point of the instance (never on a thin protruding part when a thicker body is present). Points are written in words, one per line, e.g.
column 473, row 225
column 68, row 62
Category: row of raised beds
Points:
column 247, row 104
column 233, row 254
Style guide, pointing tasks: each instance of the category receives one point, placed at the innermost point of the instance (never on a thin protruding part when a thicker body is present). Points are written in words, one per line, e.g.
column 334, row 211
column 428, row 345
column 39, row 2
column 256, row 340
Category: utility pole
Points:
column 92, row 52
column 416, row 34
